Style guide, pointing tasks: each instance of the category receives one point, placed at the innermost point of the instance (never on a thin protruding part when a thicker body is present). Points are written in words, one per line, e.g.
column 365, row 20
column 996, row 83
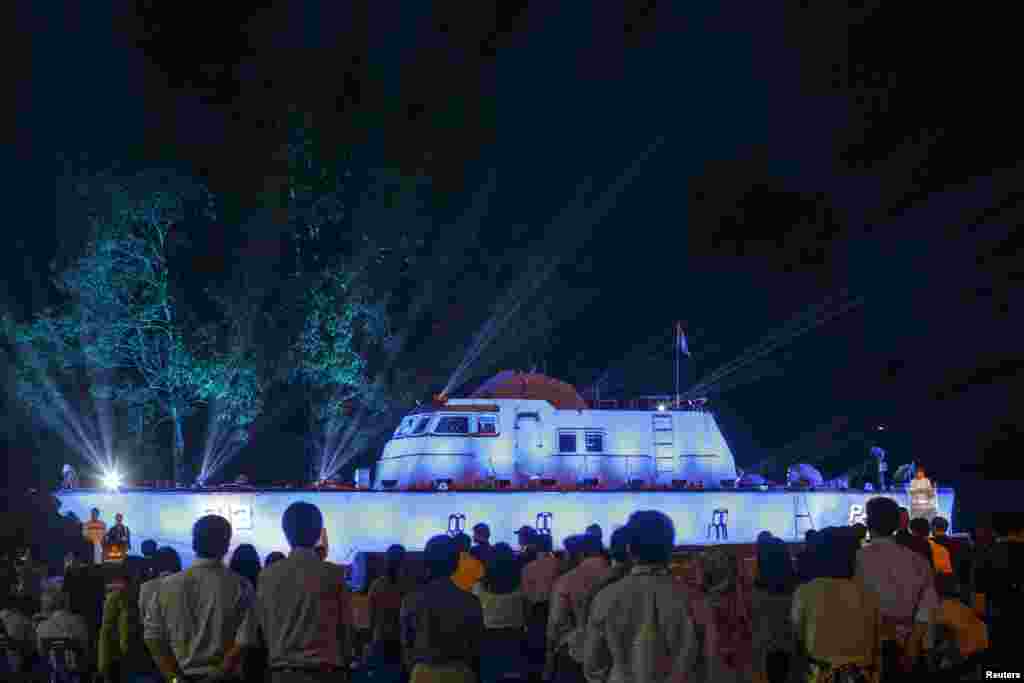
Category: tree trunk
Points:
column 179, row 449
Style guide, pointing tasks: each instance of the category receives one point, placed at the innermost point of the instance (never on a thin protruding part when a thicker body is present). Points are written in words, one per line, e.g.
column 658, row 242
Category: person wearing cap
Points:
column 482, row 550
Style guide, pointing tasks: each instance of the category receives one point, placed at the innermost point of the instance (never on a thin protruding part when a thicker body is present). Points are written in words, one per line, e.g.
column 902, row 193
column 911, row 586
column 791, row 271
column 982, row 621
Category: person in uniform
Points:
column 95, row 530
column 119, row 538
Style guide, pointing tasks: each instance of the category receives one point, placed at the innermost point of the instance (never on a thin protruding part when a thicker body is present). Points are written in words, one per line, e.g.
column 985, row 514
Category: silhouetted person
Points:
column 191, row 626
column 119, row 534
column 307, row 631
column 482, row 548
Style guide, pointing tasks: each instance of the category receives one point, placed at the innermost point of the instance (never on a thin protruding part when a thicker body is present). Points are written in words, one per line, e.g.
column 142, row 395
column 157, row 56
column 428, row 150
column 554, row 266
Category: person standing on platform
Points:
column 119, row 534
column 69, row 479
column 922, row 497
column 95, row 530
column 190, row 628
column 302, row 609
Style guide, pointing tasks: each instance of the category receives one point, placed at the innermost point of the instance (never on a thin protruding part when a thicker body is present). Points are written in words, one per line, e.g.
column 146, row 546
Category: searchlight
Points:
column 112, row 480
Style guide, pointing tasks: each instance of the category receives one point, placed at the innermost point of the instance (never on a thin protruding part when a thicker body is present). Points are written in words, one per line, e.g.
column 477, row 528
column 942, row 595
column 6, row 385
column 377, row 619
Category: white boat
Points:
column 523, row 428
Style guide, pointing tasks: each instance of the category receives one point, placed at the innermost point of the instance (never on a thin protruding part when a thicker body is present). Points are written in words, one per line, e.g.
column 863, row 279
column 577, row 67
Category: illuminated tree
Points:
column 125, row 313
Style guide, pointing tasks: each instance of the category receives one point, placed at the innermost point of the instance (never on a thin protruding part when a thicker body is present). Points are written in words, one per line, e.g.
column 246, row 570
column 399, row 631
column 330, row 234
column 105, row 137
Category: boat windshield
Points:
column 421, row 426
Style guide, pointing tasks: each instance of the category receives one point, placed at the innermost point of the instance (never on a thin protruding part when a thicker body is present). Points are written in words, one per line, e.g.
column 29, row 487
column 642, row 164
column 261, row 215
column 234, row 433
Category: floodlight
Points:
column 112, row 480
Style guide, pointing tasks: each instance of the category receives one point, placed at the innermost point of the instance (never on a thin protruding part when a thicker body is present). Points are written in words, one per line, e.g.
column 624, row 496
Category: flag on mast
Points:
column 681, row 340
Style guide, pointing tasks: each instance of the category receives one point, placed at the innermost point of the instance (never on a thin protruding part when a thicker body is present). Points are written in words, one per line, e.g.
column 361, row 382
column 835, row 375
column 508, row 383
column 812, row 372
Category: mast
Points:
column 677, row 365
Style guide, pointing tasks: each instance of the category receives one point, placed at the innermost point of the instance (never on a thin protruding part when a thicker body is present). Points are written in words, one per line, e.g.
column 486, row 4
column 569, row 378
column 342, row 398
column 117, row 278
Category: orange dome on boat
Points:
column 531, row 386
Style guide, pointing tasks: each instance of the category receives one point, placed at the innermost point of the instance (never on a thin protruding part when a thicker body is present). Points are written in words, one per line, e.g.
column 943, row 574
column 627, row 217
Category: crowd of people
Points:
column 880, row 601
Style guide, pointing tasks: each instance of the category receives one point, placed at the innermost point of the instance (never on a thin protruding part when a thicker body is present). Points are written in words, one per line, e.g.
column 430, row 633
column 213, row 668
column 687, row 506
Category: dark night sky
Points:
column 828, row 173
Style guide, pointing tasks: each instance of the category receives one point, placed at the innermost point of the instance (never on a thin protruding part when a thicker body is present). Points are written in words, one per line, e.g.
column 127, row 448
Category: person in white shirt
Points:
column 61, row 624
column 922, row 497
column 190, row 627
column 904, row 582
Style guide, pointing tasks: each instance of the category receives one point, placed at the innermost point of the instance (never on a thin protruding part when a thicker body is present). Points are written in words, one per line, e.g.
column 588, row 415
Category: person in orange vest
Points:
column 940, row 556
column 95, row 531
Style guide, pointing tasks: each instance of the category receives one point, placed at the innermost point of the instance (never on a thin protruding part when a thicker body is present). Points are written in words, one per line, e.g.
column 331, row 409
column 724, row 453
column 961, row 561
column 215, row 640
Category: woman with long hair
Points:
column 771, row 603
column 505, row 611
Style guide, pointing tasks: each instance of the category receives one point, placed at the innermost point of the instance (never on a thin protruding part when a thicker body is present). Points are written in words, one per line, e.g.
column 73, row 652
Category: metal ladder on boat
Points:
column 800, row 501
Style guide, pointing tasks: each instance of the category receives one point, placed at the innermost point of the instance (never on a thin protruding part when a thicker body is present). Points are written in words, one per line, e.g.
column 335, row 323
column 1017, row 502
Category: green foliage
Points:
column 122, row 316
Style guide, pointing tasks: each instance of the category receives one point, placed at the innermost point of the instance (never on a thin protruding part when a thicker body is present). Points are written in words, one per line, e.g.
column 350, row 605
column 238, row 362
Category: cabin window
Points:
column 594, row 442
column 406, row 426
column 487, row 424
column 421, row 426
column 453, row 424
column 566, row 442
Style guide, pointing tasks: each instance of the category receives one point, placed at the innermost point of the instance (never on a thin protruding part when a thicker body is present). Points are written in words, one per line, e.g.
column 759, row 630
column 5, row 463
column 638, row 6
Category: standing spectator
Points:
column 639, row 628
column 122, row 650
column 16, row 625
column 470, row 569
column 245, row 561
column 982, row 543
column 166, row 562
column 904, row 583
column 596, row 531
column 59, row 623
column 806, row 570
column 190, row 628
column 302, row 608
column 442, row 625
column 149, row 569
column 956, row 637
column 538, row 579
column 999, row 580
column 620, row 567
column 385, row 598
column 771, row 605
column 940, row 556
column 904, row 537
column 722, row 616
column 526, row 535
column 837, row 619
column 504, row 609
column 482, row 540
column 565, row 635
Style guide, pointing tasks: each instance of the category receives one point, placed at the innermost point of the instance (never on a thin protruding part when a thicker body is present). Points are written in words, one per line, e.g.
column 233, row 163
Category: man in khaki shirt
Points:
column 302, row 610
column 639, row 628
column 190, row 627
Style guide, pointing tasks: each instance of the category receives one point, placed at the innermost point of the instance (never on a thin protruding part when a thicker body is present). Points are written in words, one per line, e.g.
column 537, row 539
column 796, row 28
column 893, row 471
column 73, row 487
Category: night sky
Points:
column 807, row 153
